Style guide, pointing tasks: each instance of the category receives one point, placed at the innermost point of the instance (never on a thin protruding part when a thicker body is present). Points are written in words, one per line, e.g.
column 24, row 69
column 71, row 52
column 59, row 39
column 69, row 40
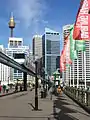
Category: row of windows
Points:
column 17, row 71
column 48, row 33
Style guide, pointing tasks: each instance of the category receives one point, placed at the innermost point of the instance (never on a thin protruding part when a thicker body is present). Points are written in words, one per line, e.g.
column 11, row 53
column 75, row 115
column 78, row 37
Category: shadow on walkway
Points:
column 60, row 111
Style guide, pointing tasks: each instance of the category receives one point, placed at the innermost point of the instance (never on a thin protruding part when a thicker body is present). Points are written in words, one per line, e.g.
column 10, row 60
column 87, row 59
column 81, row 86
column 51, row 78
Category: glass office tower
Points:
column 51, row 51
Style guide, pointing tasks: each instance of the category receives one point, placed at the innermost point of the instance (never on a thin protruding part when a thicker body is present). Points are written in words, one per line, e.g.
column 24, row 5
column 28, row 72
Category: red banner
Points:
column 67, row 51
column 82, row 24
column 65, row 55
column 62, row 62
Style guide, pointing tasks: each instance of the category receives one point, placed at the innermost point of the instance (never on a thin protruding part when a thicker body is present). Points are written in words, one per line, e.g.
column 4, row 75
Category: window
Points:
column 15, row 71
column 19, row 71
column 11, row 43
column 19, row 43
column 47, row 33
column 57, row 33
column 19, row 56
column 15, row 43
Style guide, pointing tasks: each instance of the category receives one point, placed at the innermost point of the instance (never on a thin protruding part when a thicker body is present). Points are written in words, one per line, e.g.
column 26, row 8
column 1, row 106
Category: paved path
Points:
column 20, row 107
column 10, row 91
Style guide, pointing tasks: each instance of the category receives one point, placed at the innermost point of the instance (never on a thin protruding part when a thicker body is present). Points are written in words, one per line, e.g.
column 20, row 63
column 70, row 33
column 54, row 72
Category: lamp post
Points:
column 36, row 87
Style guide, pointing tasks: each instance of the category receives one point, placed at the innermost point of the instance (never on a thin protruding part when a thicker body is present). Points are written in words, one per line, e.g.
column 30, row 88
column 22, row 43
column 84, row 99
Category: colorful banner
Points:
column 80, row 45
column 67, row 50
column 73, row 52
column 62, row 62
column 65, row 55
column 82, row 24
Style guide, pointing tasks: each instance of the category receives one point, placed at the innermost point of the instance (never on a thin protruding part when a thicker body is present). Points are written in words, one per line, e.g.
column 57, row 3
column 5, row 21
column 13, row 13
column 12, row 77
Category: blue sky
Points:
column 32, row 16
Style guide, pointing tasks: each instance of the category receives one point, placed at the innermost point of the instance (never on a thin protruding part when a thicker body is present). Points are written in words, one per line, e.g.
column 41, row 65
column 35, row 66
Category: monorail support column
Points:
column 25, row 81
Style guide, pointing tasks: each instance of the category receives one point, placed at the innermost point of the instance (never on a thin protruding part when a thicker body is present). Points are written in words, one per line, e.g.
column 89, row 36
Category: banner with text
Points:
column 82, row 24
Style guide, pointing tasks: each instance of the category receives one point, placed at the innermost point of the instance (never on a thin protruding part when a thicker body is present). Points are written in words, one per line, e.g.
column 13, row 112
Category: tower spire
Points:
column 11, row 24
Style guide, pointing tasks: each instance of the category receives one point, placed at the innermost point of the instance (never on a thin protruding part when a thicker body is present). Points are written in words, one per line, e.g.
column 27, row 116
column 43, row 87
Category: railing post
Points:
column 87, row 97
column 75, row 92
column 25, row 81
column 82, row 95
column 78, row 94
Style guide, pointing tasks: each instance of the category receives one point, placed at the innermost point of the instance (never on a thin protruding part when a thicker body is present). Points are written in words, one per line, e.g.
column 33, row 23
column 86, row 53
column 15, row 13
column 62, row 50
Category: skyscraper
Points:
column 51, row 51
column 37, row 46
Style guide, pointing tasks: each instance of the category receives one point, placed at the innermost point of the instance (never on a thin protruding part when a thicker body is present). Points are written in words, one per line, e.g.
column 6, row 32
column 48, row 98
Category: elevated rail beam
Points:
column 4, row 59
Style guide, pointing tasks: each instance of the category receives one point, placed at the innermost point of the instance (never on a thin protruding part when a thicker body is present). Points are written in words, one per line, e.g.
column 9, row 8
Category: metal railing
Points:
column 82, row 96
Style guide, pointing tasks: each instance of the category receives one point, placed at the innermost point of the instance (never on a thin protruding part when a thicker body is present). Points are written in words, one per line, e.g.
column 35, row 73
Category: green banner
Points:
column 80, row 45
column 73, row 52
column 67, row 65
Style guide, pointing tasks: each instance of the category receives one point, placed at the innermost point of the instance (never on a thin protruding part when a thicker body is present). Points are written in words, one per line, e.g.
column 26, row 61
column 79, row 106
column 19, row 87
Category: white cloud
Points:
column 29, row 11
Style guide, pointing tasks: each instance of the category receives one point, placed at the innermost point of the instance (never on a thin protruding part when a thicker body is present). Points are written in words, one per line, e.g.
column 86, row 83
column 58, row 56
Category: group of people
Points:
column 4, row 88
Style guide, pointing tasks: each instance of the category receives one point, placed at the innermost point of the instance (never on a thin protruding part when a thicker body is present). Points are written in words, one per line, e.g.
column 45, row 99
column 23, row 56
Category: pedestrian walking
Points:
column 50, row 92
column 4, row 88
column 7, row 88
column 0, row 88
column 20, row 87
column 59, row 91
column 16, row 88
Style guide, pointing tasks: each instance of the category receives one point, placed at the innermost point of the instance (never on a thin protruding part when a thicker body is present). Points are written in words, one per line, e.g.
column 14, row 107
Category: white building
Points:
column 17, row 51
column 87, row 63
column 4, row 70
column 79, row 72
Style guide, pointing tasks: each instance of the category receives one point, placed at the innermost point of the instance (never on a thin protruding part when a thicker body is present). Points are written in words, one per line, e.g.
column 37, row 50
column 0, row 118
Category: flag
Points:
column 65, row 55
column 76, row 45
column 82, row 24
column 80, row 45
column 67, row 50
column 62, row 62
column 73, row 52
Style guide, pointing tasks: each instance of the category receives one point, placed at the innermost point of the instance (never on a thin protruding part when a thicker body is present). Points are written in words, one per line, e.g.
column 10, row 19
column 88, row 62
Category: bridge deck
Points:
column 18, row 107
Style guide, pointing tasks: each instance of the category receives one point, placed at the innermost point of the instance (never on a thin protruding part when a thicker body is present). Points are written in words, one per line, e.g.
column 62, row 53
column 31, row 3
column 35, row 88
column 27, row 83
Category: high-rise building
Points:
column 17, row 51
column 4, row 70
column 66, row 31
column 37, row 46
column 87, row 63
column 79, row 72
column 51, row 51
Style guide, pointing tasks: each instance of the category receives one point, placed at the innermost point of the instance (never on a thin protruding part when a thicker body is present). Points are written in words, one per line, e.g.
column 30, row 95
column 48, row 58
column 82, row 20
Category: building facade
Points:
column 17, row 51
column 4, row 70
column 78, row 74
column 51, row 51
column 37, row 46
